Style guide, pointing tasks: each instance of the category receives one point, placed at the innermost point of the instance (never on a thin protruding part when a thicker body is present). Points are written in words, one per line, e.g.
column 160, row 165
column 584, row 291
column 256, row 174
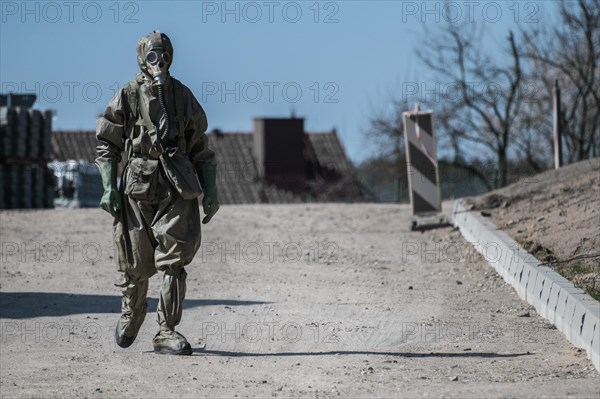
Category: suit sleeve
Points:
column 198, row 150
column 110, row 129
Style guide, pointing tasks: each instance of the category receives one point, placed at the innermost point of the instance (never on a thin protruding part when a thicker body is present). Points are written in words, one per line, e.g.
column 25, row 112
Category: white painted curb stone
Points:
column 555, row 298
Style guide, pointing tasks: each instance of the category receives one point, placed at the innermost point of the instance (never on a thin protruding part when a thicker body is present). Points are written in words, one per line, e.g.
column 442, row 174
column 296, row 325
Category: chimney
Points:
column 279, row 151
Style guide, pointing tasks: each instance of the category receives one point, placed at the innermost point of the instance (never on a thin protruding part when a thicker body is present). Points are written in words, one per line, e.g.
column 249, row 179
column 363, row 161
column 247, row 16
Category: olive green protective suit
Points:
column 156, row 210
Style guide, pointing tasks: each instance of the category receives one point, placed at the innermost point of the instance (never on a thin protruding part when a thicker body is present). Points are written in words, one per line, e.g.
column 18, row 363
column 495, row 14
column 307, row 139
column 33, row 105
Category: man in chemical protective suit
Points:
column 160, row 127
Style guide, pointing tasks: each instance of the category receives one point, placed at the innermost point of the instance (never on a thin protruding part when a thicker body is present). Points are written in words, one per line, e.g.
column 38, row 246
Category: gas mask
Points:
column 157, row 64
column 154, row 57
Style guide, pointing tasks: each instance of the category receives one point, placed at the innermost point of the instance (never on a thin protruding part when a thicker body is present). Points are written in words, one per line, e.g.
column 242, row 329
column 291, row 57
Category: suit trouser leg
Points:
column 177, row 232
column 133, row 312
column 170, row 303
column 137, row 271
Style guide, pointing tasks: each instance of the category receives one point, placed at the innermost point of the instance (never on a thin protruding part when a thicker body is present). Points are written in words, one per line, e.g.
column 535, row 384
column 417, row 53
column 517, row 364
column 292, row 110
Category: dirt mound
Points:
column 554, row 215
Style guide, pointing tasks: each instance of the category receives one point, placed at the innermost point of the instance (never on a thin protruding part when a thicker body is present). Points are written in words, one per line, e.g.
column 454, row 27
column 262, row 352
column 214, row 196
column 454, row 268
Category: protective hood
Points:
column 153, row 41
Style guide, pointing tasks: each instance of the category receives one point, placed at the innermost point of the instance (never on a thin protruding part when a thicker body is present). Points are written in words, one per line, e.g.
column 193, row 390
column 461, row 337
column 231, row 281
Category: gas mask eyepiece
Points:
column 158, row 63
column 152, row 57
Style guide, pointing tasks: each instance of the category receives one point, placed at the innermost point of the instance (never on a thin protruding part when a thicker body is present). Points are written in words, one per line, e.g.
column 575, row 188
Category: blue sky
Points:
column 336, row 63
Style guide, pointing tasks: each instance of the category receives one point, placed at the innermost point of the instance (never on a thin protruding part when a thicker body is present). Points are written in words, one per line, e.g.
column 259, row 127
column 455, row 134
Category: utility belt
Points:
column 145, row 157
column 147, row 145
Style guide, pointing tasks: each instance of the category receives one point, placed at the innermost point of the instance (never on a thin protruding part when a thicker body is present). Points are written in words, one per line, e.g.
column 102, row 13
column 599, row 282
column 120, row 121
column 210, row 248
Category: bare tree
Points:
column 482, row 98
column 495, row 104
column 387, row 131
column 568, row 50
column 390, row 165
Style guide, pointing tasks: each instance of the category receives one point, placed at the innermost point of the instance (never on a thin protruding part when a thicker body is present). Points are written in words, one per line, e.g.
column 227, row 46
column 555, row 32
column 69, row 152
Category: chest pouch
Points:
column 142, row 177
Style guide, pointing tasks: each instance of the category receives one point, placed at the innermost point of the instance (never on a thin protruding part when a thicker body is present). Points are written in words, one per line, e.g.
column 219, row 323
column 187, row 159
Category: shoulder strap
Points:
column 179, row 112
column 152, row 130
column 132, row 99
column 144, row 113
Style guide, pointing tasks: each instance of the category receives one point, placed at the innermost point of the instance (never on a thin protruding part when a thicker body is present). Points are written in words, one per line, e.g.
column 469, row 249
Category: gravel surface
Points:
column 290, row 300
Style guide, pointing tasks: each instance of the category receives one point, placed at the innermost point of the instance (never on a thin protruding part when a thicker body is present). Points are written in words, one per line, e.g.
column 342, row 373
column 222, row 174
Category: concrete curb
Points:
column 555, row 298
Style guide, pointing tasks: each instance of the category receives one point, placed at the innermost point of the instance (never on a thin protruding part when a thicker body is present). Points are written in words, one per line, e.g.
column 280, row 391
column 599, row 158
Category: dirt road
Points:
column 291, row 301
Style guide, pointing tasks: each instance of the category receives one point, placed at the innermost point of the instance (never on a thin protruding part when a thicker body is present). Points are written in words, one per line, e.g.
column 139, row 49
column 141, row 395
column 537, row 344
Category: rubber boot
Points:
column 133, row 312
column 170, row 308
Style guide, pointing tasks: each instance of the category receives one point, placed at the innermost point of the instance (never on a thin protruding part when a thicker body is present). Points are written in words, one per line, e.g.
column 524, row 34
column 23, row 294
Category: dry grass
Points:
column 583, row 272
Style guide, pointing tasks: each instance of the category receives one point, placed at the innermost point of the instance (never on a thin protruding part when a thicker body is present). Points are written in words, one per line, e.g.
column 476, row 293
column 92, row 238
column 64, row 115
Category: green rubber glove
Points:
column 208, row 181
column 111, row 199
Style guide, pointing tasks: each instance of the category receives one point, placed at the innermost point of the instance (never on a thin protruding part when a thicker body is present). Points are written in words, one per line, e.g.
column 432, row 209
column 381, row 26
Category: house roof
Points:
column 73, row 145
column 240, row 178
column 329, row 151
